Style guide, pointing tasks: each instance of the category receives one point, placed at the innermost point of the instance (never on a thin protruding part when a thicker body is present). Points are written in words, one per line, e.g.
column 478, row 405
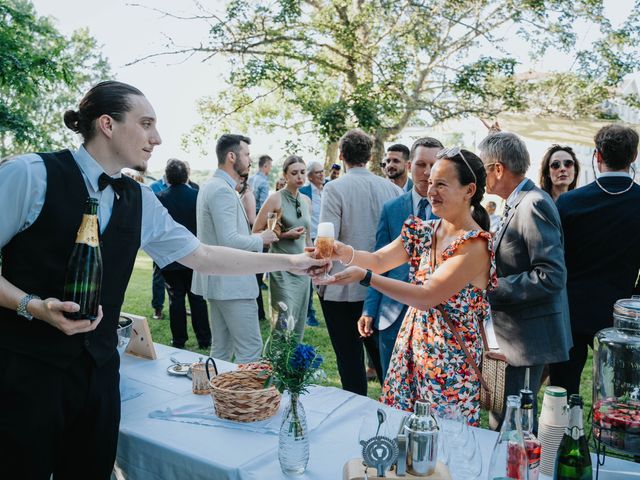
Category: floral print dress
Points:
column 427, row 362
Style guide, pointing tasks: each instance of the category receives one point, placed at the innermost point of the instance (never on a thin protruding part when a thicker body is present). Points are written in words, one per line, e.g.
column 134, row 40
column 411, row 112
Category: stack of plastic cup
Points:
column 554, row 417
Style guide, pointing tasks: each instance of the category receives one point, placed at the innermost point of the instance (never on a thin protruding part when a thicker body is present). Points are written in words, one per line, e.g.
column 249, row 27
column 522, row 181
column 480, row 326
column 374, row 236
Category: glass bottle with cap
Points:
column 509, row 457
column 616, row 379
column 573, row 461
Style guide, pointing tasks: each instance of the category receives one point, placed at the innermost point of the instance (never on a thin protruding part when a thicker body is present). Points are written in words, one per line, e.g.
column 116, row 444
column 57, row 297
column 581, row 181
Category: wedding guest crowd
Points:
column 419, row 266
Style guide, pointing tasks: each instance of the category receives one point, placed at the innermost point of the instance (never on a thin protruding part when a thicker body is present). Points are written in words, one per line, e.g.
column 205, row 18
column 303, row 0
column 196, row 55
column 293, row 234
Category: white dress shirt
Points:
column 23, row 185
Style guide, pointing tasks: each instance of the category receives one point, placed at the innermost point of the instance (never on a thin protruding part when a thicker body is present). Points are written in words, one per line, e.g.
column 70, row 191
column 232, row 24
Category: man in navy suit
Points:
column 601, row 223
column 180, row 201
column 384, row 313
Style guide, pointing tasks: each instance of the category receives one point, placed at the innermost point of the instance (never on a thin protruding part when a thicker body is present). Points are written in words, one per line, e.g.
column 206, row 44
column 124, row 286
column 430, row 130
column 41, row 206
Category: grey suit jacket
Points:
column 529, row 308
column 353, row 204
column 223, row 221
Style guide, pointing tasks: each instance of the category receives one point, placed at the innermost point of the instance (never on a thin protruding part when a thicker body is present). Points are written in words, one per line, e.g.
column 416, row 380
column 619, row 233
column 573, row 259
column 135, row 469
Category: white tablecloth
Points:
column 178, row 448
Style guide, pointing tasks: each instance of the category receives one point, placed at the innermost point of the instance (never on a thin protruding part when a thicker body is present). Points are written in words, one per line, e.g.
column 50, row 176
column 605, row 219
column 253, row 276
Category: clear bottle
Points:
column 83, row 279
column 573, row 460
column 531, row 443
column 509, row 457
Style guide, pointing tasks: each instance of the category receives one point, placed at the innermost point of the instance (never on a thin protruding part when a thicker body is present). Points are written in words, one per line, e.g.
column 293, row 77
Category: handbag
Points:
column 494, row 368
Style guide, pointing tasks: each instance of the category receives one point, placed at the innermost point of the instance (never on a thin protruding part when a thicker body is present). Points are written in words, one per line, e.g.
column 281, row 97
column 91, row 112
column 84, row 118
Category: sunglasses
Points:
column 298, row 211
column 555, row 165
column 449, row 153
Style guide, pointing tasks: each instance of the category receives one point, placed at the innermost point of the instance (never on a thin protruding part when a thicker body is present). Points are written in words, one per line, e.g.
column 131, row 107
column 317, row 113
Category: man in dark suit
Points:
column 530, row 311
column 180, row 201
column 601, row 223
column 380, row 311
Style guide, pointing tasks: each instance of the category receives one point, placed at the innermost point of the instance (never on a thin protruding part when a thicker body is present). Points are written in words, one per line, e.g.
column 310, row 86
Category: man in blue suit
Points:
column 380, row 311
column 601, row 223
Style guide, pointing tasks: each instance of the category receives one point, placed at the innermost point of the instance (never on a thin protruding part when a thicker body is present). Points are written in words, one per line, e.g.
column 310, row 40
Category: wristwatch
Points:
column 366, row 281
column 22, row 306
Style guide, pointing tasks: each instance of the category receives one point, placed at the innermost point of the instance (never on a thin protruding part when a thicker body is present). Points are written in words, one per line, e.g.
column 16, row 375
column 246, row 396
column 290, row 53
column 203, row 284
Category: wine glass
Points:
column 324, row 242
column 272, row 220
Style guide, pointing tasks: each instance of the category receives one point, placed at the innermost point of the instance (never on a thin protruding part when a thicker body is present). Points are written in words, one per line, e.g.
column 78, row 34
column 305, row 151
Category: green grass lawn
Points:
column 138, row 301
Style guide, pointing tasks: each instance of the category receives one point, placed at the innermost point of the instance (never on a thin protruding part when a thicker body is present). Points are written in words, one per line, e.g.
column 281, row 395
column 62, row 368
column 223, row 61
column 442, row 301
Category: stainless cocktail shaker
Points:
column 422, row 440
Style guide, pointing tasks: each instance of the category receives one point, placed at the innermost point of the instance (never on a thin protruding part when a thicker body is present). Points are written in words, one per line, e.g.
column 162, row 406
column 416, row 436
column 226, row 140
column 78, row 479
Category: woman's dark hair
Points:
column 465, row 177
column 176, row 172
column 106, row 98
column 290, row 161
column 545, row 178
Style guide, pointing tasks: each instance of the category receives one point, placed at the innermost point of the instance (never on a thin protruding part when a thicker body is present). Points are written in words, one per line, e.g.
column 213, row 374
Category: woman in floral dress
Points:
column 451, row 268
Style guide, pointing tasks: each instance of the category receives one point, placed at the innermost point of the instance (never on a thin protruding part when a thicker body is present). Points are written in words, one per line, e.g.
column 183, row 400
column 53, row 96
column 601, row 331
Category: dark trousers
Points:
column 157, row 288
column 179, row 286
column 261, row 314
column 514, row 382
column 567, row 374
column 386, row 341
column 60, row 421
column 342, row 324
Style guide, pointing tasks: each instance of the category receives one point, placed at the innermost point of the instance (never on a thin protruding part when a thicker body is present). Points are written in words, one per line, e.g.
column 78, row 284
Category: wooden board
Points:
column 354, row 470
column 141, row 343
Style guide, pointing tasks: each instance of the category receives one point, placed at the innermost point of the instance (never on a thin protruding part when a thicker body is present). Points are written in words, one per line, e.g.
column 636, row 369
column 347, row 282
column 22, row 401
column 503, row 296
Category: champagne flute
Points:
column 272, row 220
column 324, row 242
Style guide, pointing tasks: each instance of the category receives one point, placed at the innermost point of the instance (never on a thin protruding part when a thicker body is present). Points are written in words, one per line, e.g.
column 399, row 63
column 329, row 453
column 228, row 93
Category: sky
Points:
column 128, row 31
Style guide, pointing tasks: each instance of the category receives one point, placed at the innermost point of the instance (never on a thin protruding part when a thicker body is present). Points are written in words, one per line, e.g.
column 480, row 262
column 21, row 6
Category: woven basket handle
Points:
column 215, row 367
column 470, row 359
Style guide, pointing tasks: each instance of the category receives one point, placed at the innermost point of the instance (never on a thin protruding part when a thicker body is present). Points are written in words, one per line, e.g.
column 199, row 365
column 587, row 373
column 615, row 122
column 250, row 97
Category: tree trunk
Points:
column 378, row 152
column 331, row 155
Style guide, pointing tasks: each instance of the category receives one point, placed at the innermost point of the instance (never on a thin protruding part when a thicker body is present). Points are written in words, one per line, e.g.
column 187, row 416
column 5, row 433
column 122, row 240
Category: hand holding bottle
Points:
column 51, row 311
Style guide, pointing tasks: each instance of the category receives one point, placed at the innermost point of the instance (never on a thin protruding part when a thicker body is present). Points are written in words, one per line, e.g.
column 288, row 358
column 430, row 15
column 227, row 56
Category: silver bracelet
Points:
column 353, row 255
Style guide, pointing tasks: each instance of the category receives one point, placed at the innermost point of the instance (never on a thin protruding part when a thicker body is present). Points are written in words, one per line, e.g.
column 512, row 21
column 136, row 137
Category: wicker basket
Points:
column 240, row 396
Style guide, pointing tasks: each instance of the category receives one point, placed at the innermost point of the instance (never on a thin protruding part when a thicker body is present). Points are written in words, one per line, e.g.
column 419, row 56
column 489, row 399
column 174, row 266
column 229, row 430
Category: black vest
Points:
column 35, row 261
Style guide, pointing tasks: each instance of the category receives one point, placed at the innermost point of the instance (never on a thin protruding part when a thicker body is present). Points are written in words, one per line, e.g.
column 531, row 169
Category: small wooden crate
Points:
column 354, row 470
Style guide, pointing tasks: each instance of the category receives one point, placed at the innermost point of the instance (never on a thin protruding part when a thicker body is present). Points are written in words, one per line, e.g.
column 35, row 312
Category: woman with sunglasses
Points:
column 559, row 171
column 451, row 267
column 294, row 232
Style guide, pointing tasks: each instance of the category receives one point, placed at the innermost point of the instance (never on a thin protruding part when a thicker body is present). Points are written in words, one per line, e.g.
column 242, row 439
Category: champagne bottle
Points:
column 83, row 280
column 573, row 460
column 509, row 457
column 531, row 443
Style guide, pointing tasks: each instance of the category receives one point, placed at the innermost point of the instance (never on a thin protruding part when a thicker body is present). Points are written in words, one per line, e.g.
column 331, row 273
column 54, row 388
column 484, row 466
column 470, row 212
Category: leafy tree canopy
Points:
column 330, row 65
column 42, row 74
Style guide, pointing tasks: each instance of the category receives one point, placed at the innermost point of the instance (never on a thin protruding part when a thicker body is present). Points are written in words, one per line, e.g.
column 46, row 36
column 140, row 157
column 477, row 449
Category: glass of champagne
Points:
column 272, row 220
column 324, row 242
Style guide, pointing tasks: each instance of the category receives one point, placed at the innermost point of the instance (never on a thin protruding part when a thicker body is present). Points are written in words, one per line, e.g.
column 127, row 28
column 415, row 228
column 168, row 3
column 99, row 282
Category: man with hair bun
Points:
column 59, row 379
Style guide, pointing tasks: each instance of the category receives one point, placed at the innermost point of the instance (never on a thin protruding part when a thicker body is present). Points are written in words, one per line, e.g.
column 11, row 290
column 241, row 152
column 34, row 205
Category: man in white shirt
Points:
column 73, row 432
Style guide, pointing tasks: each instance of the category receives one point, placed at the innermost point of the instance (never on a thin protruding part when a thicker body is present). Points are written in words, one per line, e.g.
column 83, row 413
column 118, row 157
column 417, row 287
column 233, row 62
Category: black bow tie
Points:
column 116, row 183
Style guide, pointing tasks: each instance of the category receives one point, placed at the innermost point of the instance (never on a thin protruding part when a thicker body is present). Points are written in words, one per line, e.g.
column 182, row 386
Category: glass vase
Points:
column 293, row 445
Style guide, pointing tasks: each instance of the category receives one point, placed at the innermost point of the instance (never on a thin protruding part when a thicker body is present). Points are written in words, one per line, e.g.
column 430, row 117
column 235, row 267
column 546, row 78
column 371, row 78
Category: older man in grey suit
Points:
column 222, row 220
column 529, row 308
column 353, row 204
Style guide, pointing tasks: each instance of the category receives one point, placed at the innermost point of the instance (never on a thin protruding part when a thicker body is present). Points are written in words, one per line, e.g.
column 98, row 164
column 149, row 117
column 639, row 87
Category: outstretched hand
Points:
column 349, row 275
column 306, row 264
column 51, row 311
